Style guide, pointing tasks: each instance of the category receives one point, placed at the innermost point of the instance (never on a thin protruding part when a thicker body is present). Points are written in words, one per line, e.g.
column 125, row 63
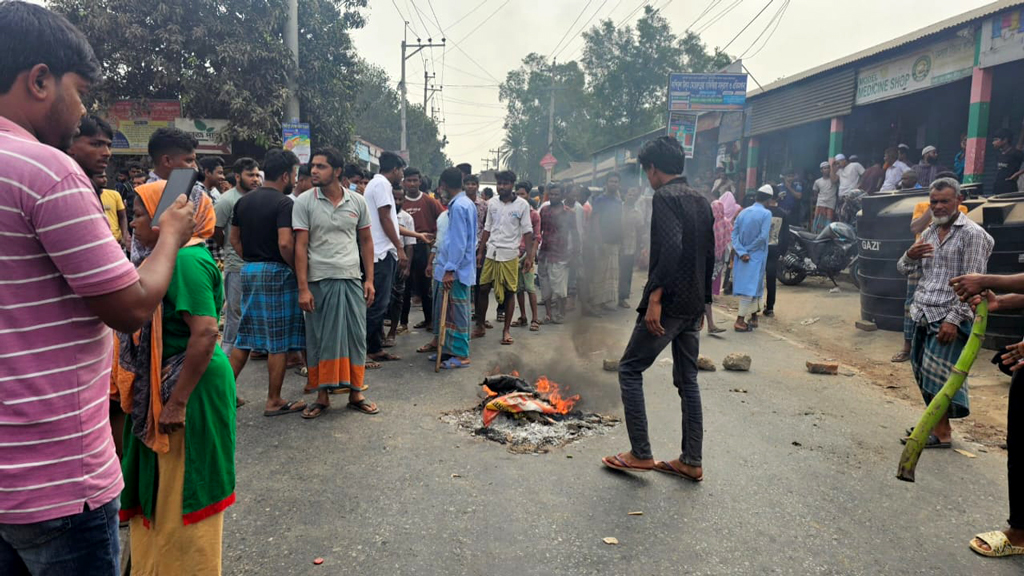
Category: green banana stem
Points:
column 940, row 403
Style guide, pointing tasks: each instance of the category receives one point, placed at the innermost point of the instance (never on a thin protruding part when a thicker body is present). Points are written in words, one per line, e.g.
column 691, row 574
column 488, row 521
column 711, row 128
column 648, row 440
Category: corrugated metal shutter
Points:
column 806, row 102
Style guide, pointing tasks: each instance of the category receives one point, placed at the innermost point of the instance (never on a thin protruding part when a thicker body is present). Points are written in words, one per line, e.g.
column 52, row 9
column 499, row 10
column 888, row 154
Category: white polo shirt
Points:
column 379, row 192
column 506, row 223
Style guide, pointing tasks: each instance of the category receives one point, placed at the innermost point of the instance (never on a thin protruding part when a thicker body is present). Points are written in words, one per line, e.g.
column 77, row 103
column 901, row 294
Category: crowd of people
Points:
column 317, row 266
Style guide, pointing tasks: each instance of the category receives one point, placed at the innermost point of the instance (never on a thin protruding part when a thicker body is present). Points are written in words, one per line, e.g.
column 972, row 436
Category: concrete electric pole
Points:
column 291, row 38
column 551, row 121
column 404, row 104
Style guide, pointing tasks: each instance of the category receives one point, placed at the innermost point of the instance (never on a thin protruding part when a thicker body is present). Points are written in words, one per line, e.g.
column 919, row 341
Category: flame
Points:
column 550, row 391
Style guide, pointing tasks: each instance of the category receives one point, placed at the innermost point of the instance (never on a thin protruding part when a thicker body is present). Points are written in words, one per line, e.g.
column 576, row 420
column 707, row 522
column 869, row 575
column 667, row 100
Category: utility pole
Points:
column 291, row 39
column 497, row 157
column 551, row 120
column 415, row 49
column 428, row 89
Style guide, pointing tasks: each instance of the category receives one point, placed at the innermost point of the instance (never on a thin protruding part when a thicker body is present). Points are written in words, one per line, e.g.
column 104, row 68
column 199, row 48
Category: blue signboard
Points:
column 707, row 91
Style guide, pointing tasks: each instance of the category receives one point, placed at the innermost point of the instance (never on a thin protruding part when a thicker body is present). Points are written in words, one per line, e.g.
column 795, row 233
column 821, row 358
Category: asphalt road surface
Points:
column 799, row 476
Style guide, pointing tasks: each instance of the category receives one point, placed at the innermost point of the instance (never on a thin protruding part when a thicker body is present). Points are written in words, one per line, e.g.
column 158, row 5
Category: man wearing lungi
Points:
column 558, row 228
column 454, row 271
column 261, row 232
column 332, row 236
column 953, row 245
column 508, row 223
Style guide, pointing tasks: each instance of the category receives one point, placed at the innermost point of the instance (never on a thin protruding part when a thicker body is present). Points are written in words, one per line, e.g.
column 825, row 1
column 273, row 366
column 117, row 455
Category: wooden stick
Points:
column 442, row 327
column 940, row 403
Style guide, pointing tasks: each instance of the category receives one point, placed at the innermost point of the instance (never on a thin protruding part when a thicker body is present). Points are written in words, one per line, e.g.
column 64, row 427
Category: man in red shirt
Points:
column 424, row 210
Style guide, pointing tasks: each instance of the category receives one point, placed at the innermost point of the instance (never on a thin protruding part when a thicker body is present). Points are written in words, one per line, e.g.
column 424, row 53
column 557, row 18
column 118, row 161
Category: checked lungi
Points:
column 457, row 323
column 336, row 335
column 933, row 362
column 504, row 276
column 271, row 319
column 909, row 325
column 822, row 218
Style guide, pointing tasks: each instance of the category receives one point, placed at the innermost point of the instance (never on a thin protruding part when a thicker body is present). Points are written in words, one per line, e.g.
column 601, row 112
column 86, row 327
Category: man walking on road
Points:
column 261, row 231
column 952, row 246
column 750, row 237
column 671, row 311
column 247, row 179
column 388, row 252
column 424, row 210
column 605, row 242
column 332, row 237
column 558, row 228
column 526, row 294
column 1008, row 542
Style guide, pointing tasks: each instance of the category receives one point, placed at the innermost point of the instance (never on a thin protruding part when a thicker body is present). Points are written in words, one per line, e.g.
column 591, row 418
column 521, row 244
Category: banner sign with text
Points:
column 707, row 91
column 206, row 131
column 1002, row 38
column 134, row 121
column 935, row 65
column 296, row 138
column 683, row 127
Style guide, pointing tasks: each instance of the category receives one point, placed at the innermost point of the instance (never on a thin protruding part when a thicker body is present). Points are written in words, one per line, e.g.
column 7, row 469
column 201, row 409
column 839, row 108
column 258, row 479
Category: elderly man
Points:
column 928, row 168
column 952, row 246
column 750, row 238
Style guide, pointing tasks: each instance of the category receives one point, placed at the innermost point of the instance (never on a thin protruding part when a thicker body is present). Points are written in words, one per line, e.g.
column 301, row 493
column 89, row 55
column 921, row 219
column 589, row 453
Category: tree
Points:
column 227, row 59
column 377, row 118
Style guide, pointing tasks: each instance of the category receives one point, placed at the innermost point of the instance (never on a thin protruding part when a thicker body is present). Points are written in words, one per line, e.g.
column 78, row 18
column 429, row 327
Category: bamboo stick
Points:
column 443, row 331
column 940, row 403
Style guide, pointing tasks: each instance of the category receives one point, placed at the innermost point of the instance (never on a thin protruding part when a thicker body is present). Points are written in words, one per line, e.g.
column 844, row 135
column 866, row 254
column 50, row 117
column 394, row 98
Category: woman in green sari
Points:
column 179, row 440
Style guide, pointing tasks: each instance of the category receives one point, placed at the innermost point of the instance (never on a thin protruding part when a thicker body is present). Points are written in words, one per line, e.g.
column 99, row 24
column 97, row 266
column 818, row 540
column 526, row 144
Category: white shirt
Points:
column 826, row 190
column 507, row 223
column 405, row 221
column 893, row 175
column 380, row 193
column 849, row 178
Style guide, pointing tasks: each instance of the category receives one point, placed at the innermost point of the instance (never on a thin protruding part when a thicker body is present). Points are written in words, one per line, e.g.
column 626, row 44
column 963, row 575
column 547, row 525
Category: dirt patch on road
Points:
column 823, row 321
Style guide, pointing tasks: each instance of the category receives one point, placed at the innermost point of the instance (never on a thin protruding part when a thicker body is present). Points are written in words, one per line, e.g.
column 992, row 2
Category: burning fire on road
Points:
column 529, row 417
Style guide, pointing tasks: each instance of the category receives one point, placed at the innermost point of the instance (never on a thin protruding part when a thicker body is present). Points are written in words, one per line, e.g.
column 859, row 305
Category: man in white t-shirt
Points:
column 846, row 174
column 508, row 225
column 388, row 252
column 894, row 169
column 825, row 207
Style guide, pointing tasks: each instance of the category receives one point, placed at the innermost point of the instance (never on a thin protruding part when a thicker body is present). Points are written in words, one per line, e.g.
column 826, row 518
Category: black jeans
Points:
column 626, row 263
column 643, row 349
column 1015, row 451
column 418, row 283
column 383, row 276
column 771, row 269
column 397, row 301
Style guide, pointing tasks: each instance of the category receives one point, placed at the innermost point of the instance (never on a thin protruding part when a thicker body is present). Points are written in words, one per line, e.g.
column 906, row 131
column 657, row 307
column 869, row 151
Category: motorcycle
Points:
column 824, row 255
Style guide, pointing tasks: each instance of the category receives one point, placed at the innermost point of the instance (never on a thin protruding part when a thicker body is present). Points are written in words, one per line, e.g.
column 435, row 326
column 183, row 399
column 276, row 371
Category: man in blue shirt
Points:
column 750, row 243
column 454, row 273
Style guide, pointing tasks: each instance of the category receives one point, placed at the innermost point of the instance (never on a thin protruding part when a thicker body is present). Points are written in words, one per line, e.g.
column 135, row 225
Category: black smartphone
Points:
column 181, row 181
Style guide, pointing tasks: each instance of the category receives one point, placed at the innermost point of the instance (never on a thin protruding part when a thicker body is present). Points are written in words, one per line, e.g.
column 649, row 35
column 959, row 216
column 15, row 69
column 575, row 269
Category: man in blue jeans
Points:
column 671, row 311
column 388, row 252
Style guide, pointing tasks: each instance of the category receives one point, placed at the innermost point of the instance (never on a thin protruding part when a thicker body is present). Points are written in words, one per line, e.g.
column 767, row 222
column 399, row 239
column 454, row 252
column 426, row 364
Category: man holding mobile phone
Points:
column 60, row 481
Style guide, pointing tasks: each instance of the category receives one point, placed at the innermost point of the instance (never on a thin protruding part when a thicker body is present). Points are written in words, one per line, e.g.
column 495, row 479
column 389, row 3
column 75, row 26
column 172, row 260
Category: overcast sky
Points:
column 497, row 34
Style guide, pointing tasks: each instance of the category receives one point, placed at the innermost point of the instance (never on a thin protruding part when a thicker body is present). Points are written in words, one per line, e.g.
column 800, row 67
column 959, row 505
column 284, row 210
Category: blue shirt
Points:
column 457, row 249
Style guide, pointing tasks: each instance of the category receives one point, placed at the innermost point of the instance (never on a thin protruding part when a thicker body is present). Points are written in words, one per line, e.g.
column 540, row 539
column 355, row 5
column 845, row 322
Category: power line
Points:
column 717, row 17
column 569, row 29
column 744, row 29
column 709, row 8
column 467, row 14
column 777, row 19
column 587, row 23
column 617, row 26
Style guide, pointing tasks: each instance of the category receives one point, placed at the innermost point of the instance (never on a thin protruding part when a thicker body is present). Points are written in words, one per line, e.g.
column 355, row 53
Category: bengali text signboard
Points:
column 296, row 138
column 206, row 131
column 935, row 65
column 683, row 127
column 134, row 121
column 707, row 91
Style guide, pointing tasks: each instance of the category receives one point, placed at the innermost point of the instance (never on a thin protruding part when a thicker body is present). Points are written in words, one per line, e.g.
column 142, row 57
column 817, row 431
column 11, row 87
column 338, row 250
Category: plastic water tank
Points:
column 1003, row 217
column 883, row 230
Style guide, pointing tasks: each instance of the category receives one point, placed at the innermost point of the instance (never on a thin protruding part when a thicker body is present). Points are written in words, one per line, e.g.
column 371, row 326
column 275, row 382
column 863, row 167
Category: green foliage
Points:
column 614, row 93
column 227, row 59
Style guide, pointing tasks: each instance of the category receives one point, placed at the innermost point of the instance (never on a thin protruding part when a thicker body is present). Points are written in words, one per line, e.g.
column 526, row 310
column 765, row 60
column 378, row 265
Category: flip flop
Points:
column 668, row 468
column 444, row 357
column 420, row 325
column 385, row 357
column 371, row 365
column 900, row 356
column 288, row 408
column 747, row 329
column 426, row 348
column 478, row 334
column 520, row 323
column 534, row 326
column 488, row 325
column 716, row 330
column 932, row 442
column 315, row 410
column 508, row 341
column 617, row 463
column 454, row 363
column 999, row 545
column 364, row 406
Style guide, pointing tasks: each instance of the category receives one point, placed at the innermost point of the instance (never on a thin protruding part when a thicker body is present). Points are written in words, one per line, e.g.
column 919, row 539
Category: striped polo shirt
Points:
column 56, row 450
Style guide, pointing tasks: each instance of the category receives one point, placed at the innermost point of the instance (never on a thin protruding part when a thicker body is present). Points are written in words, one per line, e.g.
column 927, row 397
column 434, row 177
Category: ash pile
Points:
column 528, row 418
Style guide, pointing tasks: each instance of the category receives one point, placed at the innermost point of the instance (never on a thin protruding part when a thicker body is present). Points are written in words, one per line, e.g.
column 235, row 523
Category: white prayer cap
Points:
column 840, row 157
column 823, row 165
column 927, row 149
column 767, row 189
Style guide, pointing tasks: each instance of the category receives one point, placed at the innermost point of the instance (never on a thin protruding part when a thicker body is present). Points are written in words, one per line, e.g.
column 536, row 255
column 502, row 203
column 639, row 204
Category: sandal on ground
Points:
column 315, row 410
column 420, row 325
column 364, row 406
column 900, row 356
column 520, row 323
column 508, row 341
column 444, row 356
column 668, row 468
column 348, row 389
column 752, row 324
column 454, row 363
column 286, row 408
column 384, row 357
column 617, row 463
column 426, row 348
column 371, row 365
column 739, row 328
column 534, row 326
column 999, row 545
column 478, row 334
column 932, row 442
column 715, row 330
column 488, row 325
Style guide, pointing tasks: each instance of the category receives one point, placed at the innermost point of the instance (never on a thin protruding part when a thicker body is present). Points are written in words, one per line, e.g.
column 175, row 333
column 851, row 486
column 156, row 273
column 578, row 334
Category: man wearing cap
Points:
column 929, row 166
column 846, row 174
column 750, row 244
column 825, row 206
column 894, row 169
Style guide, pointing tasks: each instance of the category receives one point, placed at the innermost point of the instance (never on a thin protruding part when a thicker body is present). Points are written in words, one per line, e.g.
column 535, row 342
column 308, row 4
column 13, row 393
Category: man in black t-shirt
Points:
column 261, row 232
column 1008, row 167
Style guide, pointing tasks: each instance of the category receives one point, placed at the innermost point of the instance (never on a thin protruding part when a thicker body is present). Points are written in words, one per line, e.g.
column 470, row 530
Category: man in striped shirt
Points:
column 63, row 280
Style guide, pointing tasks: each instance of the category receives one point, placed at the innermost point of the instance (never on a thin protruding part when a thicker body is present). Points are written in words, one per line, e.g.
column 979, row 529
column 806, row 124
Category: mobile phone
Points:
column 181, row 181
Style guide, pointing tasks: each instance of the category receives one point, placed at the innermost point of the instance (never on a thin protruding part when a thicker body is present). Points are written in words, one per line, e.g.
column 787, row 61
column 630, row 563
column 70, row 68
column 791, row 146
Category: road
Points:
column 799, row 477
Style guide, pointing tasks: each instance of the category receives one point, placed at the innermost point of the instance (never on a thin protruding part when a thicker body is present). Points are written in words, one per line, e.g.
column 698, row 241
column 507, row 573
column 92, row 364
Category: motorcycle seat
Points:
column 806, row 235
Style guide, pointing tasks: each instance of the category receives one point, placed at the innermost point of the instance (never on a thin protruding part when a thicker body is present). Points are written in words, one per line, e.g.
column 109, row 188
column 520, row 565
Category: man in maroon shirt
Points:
column 424, row 211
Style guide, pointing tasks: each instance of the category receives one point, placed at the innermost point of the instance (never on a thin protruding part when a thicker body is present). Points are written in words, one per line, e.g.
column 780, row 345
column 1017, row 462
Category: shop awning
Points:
column 817, row 99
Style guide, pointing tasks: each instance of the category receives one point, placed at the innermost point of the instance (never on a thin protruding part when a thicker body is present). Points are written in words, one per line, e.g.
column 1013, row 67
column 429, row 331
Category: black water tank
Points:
column 1003, row 217
column 883, row 229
